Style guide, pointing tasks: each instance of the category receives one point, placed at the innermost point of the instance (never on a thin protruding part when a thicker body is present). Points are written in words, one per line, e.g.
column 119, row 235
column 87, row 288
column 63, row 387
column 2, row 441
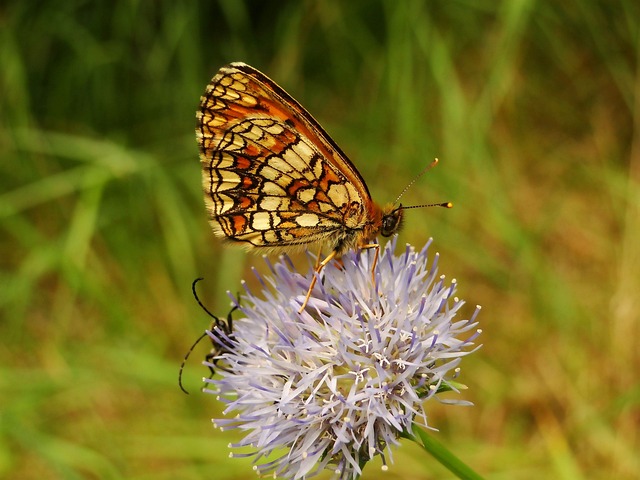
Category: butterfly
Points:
column 221, row 329
column 274, row 180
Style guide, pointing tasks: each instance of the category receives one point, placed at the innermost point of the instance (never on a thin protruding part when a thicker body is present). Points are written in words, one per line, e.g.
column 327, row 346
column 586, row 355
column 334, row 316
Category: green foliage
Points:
column 532, row 108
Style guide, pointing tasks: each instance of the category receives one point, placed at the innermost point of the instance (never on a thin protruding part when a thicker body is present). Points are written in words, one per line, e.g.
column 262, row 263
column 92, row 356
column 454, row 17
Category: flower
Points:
column 339, row 383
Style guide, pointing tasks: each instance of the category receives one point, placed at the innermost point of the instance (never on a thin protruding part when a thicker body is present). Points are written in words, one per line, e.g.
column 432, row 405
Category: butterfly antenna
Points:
column 444, row 204
column 424, row 170
column 186, row 357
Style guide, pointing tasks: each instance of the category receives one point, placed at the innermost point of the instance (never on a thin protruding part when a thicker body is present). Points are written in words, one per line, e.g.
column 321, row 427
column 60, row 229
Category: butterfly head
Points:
column 391, row 220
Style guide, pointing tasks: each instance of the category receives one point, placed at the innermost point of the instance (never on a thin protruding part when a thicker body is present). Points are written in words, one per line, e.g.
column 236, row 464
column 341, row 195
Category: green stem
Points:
column 444, row 456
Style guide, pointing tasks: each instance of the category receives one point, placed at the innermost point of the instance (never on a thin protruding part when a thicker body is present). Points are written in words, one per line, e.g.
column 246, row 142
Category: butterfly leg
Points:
column 316, row 272
column 375, row 259
column 318, row 257
column 375, row 263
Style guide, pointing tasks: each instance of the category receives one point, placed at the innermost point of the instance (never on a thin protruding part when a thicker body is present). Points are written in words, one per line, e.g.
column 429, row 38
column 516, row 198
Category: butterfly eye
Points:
column 391, row 222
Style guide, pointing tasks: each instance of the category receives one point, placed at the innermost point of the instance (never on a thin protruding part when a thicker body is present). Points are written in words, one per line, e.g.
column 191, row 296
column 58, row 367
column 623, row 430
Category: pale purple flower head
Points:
column 339, row 383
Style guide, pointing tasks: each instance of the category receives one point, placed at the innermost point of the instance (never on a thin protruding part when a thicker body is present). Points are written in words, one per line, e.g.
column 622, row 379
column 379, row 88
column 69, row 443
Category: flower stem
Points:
column 444, row 456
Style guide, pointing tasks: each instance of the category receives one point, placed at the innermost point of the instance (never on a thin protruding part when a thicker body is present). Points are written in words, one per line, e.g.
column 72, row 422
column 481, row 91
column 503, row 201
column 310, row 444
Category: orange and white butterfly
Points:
column 273, row 179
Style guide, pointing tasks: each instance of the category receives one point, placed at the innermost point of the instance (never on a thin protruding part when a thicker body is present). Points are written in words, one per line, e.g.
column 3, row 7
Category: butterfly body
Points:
column 273, row 179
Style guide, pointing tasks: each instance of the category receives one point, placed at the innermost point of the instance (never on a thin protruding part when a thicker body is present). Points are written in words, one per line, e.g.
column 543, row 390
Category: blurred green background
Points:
column 532, row 108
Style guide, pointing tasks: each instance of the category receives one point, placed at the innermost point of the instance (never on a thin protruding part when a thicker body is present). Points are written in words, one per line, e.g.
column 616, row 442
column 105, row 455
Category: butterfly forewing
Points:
column 272, row 177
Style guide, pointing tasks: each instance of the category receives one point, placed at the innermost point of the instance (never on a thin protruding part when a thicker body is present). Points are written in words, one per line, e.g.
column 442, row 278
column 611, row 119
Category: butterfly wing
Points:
column 272, row 176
